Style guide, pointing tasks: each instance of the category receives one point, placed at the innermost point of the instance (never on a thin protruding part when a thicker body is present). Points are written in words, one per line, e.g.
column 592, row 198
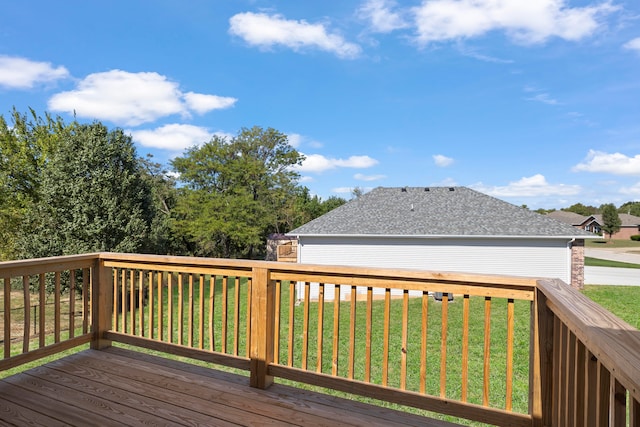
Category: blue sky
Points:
column 534, row 102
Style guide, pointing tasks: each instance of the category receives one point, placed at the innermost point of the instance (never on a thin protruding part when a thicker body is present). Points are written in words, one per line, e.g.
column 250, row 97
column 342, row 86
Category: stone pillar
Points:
column 577, row 264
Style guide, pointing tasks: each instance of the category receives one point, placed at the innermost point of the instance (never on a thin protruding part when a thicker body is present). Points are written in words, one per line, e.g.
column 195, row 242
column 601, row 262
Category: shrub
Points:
column 636, row 237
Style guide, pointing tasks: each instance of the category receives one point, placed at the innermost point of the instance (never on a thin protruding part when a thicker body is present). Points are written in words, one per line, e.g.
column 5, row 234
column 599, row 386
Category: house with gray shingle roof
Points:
column 444, row 229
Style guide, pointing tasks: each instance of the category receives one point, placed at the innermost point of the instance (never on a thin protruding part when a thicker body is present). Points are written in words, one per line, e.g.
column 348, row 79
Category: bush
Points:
column 636, row 237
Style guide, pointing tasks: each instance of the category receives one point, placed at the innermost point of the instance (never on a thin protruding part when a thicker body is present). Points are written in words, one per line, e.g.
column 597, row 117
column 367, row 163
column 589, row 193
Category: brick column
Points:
column 577, row 264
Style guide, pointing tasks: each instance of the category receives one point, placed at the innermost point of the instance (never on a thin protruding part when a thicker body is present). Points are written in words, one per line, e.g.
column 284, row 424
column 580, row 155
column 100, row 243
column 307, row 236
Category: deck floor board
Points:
column 123, row 387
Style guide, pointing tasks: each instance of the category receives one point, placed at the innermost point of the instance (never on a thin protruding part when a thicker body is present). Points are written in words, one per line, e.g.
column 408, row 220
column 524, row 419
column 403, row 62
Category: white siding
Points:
column 518, row 257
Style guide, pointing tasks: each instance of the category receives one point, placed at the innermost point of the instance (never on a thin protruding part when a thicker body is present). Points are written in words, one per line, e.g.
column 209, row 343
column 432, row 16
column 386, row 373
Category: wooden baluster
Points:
column 619, row 403
column 423, row 342
column 56, row 301
column 169, row 307
column 385, row 342
column 603, row 395
column 248, row 316
column 7, row 318
column 305, row 325
column 160, row 307
column 236, row 318
column 320, row 327
column 465, row 348
column 72, row 304
column 114, row 321
column 86, row 292
column 368, row 336
column 276, row 326
column 132, row 303
column 290, row 338
column 443, row 344
column 487, row 351
column 212, row 295
column 225, row 302
column 509, row 379
column 151, row 306
column 201, row 298
column 142, row 303
column 191, row 314
column 123, row 300
column 352, row 333
column 41, row 307
column 336, row 330
column 180, row 310
column 404, row 349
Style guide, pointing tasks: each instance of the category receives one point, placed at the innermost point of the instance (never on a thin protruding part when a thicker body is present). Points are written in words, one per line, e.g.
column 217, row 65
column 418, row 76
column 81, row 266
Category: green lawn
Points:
column 611, row 244
column 597, row 262
column 623, row 301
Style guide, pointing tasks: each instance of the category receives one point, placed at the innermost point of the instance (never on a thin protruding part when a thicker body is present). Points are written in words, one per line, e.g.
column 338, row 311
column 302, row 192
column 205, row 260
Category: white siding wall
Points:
column 519, row 257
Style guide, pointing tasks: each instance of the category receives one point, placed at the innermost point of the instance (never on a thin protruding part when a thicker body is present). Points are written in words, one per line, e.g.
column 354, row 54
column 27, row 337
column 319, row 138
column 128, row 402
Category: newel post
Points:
column 262, row 327
column 541, row 361
column 101, row 304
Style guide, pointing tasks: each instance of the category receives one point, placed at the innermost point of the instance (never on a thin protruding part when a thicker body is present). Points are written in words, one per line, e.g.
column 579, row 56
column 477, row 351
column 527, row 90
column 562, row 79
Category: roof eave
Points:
column 447, row 236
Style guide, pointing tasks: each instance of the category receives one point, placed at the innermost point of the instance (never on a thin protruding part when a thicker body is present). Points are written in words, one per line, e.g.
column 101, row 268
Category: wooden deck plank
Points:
column 140, row 396
column 123, row 387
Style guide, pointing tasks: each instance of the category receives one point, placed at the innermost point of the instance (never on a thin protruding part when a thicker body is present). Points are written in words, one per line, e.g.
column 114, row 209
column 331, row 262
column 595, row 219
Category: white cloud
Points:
column 442, row 161
column 523, row 21
column 174, row 137
column 447, row 182
column 533, row 186
column 342, row 190
column 545, row 98
column 132, row 98
column 318, row 163
column 633, row 44
column 266, row 31
column 201, row 103
column 616, row 163
column 634, row 190
column 381, row 16
column 22, row 73
column 362, row 177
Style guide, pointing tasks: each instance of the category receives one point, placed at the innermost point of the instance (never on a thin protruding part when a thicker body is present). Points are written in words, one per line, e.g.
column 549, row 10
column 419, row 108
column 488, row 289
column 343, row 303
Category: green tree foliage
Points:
column 610, row 220
column 307, row 207
column 581, row 209
column 631, row 208
column 92, row 196
column 25, row 146
column 235, row 192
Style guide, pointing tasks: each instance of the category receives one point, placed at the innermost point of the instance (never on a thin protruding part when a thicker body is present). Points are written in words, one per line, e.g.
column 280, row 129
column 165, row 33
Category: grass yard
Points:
column 597, row 262
column 623, row 301
column 612, row 244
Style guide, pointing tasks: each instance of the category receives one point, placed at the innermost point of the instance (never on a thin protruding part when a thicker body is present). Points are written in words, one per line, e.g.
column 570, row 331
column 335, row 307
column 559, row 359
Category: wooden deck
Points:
column 121, row 387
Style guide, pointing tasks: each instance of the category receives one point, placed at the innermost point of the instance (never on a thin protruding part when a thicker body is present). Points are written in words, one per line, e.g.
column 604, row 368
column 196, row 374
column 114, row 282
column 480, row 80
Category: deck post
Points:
column 541, row 361
column 262, row 327
column 101, row 304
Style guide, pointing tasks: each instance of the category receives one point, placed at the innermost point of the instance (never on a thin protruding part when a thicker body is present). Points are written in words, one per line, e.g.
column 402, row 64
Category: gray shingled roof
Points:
column 434, row 211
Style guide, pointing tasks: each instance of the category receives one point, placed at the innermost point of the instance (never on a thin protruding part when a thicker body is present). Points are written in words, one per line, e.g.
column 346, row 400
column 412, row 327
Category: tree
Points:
column 581, row 209
column 631, row 208
column 92, row 196
column 610, row 220
column 25, row 147
column 235, row 192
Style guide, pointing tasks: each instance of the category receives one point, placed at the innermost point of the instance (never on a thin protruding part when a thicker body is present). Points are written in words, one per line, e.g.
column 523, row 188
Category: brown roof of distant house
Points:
column 570, row 218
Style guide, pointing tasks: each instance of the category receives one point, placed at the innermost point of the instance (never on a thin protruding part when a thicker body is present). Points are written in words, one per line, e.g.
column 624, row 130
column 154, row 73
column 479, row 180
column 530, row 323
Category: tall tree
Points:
column 581, row 209
column 92, row 196
column 610, row 219
column 235, row 191
column 25, row 147
column 631, row 208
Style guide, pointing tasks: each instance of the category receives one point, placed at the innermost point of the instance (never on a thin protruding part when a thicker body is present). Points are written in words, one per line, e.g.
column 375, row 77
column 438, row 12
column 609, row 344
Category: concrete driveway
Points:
column 609, row 275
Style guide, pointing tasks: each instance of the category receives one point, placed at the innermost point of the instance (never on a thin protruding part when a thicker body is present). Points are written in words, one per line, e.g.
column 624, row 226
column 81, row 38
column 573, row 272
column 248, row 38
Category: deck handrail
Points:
column 575, row 347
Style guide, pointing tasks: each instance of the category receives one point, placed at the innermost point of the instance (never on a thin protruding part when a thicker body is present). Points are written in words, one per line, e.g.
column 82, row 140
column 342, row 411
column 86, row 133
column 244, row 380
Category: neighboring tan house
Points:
column 630, row 224
column 444, row 229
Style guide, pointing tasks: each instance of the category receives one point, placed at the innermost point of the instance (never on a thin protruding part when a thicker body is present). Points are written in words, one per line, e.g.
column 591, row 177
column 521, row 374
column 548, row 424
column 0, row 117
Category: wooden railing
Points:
column 506, row 351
